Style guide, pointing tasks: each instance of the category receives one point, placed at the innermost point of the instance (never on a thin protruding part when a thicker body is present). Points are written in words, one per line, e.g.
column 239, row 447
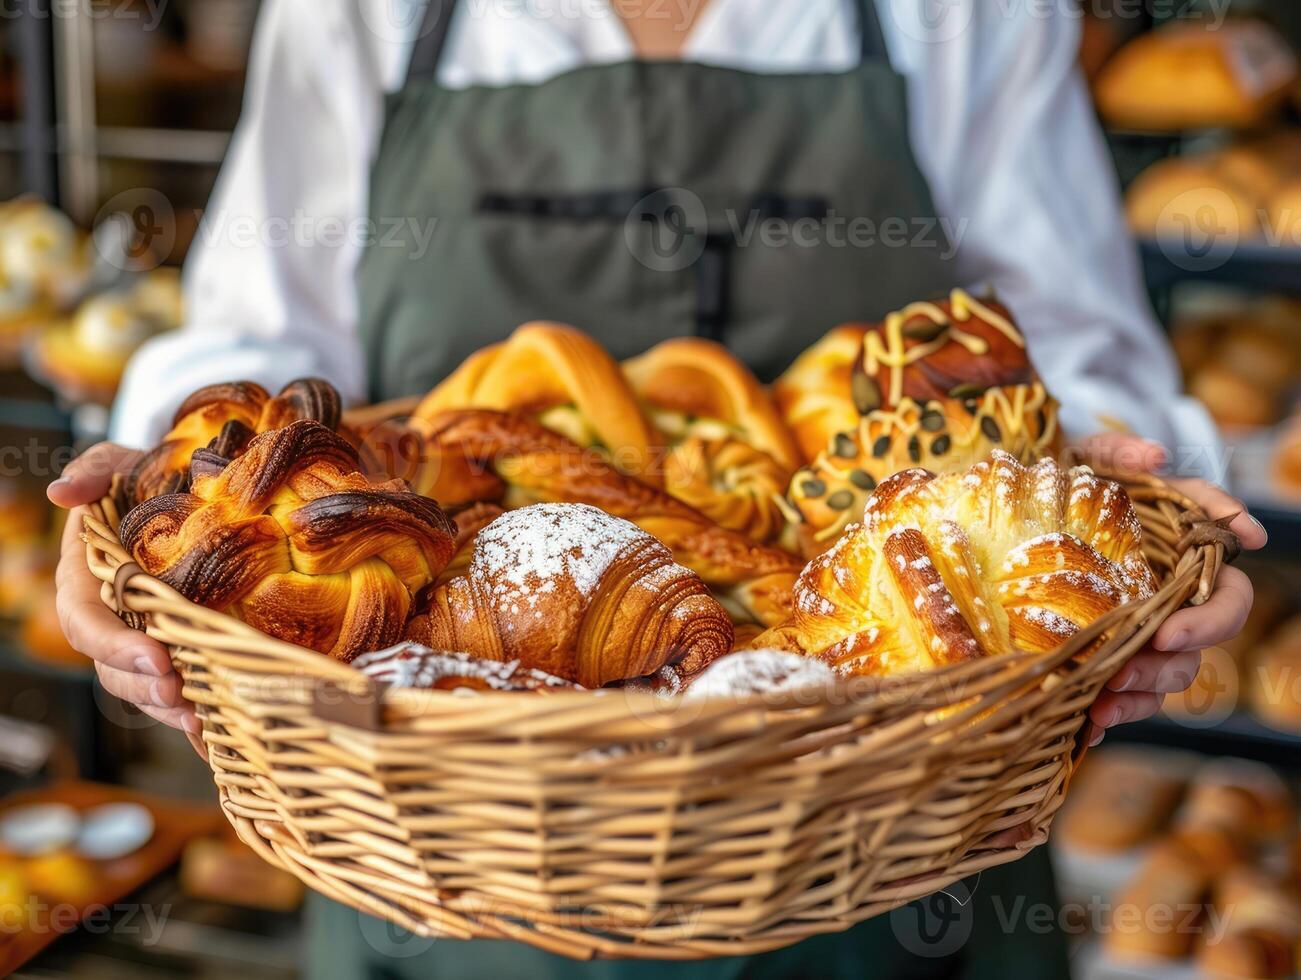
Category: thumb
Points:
column 88, row 477
column 1121, row 452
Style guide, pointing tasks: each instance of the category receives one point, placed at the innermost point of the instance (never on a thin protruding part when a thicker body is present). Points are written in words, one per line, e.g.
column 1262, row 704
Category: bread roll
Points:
column 1256, row 932
column 1274, row 670
column 1154, row 916
column 1187, row 76
column 1118, row 800
column 1188, row 200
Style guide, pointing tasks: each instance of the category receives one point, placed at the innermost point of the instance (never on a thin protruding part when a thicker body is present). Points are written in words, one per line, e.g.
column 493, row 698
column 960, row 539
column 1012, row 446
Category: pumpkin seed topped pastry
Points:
column 939, row 384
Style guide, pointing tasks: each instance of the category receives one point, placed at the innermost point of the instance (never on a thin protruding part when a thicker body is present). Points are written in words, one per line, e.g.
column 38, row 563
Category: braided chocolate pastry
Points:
column 938, row 384
column 224, row 418
column 293, row 540
column 571, row 591
column 531, row 464
column 567, row 381
column 949, row 568
column 729, row 453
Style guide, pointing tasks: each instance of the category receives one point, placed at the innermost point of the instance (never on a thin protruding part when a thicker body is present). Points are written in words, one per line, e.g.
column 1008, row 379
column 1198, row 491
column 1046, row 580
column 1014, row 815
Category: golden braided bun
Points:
column 730, row 454
column 572, row 591
column 815, row 394
column 938, row 384
column 564, row 378
column 530, row 464
column 224, row 418
column 949, row 568
column 293, row 540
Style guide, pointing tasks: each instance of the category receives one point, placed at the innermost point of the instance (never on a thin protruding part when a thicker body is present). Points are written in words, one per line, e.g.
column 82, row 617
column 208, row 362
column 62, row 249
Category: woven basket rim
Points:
column 835, row 693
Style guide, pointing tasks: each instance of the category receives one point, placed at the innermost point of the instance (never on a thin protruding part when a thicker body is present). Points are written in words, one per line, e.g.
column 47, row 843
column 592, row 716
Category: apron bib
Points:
column 641, row 201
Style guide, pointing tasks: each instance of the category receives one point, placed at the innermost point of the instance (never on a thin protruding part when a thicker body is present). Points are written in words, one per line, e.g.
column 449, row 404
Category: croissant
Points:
column 531, row 464
column 564, row 378
column 572, row 591
column 730, row 454
column 949, row 568
column 225, row 417
column 938, row 384
column 293, row 540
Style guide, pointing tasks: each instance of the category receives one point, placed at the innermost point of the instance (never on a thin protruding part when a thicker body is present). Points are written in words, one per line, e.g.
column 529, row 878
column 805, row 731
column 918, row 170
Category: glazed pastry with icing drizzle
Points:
column 937, row 384
column 949, row 568
column 572, row 591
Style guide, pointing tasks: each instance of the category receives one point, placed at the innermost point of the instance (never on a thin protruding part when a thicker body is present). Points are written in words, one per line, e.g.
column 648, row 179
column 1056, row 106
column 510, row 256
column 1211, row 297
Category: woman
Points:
column 620, row 167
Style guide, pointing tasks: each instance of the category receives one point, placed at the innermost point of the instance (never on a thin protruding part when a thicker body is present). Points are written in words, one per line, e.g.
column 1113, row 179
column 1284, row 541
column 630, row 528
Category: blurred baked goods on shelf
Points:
column 1242, row 364
column 224, row 869
column 1189, row 199
column 1274, row 672
column 1261, row 927
column 1188, row 75
column 1244, row 192
column 1287, row 458
column 1119, row 799
column 45, row 266
column 84, row 356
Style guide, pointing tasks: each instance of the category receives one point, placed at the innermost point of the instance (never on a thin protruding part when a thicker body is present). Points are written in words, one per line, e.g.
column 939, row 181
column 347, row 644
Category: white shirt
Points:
column 1001, row 124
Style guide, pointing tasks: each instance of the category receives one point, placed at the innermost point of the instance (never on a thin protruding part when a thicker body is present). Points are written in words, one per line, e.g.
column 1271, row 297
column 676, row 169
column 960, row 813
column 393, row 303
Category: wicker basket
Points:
column 620, row 824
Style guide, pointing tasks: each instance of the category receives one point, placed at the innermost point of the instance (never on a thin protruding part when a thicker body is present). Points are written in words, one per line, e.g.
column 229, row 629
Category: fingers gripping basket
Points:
column 625, row 825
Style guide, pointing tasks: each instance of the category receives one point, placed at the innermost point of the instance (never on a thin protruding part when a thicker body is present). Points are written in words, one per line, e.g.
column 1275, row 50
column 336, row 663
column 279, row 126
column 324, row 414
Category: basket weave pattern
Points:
column 624, row 824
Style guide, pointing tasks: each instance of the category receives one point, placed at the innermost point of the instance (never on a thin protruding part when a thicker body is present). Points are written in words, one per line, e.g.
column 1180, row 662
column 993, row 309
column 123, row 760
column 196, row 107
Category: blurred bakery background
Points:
column 114, row 118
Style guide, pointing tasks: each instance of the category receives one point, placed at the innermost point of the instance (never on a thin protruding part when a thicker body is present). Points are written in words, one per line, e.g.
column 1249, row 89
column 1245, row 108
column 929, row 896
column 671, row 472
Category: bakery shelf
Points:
column 1238, row 735
column 1260, row 266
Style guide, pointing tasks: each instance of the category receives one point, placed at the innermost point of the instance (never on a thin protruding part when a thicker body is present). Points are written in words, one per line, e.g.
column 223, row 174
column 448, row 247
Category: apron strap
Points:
column 869, row 30
column 428, row 49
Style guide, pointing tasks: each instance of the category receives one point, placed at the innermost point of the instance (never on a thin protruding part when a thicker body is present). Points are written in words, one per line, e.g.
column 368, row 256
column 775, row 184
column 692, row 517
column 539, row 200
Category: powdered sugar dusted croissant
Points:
column 570, row 590
column 528, row 463
column 225, row 417
column 949, row 568
column 292, row 539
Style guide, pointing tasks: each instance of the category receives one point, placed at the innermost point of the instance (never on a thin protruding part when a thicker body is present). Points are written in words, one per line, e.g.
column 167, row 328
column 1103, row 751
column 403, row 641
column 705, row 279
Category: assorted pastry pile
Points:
column 548, row 518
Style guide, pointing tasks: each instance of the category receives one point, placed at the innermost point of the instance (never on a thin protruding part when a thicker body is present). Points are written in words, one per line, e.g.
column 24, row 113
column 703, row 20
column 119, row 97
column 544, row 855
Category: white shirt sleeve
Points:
column 269, row 282
column 1005, row 131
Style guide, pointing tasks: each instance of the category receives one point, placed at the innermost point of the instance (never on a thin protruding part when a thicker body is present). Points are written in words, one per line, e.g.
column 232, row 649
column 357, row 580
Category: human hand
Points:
column 130, row 665
column 1170, row 663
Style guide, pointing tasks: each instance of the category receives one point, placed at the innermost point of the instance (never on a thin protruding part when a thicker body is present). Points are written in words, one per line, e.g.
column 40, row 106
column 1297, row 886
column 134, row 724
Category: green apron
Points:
column 641, row 201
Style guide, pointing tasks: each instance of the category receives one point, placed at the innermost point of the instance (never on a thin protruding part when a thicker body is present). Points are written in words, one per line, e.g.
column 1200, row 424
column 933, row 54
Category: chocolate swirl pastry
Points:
column 292, row 539
column 224, row 418
column 938, row 385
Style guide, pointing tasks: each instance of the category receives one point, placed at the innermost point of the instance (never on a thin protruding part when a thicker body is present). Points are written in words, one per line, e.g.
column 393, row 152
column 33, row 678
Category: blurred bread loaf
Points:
column 1186, row 76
